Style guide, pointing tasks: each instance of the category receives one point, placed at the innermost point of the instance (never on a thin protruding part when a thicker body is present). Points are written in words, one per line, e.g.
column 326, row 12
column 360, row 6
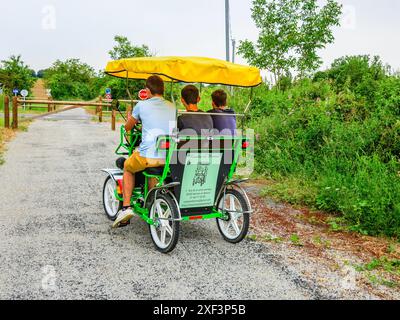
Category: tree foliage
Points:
column 357, row 74
column 70, row 79
column 15, row 74
column 290, row 34
column 125, row 49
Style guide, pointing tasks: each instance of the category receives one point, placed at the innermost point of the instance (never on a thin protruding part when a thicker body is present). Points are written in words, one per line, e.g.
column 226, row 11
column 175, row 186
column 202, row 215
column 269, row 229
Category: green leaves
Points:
column 291, row 33
column 14, row 73
column 71, row 79
column 125, row 49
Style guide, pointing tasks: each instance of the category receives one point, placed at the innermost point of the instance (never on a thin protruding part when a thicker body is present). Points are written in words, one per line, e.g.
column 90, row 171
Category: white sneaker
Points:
column 123, row 217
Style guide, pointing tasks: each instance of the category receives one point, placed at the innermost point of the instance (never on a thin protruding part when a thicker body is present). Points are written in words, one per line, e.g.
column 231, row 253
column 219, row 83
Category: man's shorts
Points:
column 136, row 163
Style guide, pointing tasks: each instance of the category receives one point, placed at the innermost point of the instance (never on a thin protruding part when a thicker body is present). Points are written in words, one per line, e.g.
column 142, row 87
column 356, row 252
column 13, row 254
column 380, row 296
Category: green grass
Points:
column 33, row 110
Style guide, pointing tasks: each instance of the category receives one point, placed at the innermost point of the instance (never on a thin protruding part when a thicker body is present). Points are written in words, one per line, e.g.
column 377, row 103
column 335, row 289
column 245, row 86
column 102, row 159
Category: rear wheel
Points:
column 235, row 228
column 164, row 233
column 110, row 203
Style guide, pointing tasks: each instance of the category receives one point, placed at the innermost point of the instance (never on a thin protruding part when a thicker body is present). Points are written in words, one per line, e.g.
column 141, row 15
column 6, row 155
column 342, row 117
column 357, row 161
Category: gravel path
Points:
column 56, row 243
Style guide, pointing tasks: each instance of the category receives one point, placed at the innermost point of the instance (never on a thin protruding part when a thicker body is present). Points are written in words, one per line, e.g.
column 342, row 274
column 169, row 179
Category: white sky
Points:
column 43, row 31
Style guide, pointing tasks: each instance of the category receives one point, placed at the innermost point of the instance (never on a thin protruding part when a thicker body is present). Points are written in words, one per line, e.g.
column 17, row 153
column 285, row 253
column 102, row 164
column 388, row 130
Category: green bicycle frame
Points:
column 170, row 145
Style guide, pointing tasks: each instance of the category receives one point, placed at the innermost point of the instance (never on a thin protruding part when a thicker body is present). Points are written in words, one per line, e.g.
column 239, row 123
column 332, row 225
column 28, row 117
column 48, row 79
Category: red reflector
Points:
column 245, row 144
column 164, row 145
column 196, row 218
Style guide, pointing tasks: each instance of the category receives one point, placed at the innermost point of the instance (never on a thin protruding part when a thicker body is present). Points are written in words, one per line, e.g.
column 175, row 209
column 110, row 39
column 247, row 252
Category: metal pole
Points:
column 233, row 50
column 227, row 27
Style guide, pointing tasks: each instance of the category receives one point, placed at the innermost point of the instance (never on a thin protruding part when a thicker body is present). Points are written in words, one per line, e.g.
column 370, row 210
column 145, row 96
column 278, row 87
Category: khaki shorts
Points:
column 136, row 163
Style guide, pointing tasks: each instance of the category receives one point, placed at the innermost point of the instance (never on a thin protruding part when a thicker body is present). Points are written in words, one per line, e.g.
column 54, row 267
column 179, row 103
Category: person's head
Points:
column 155, row 86
column 219, row 99
column 190, row 96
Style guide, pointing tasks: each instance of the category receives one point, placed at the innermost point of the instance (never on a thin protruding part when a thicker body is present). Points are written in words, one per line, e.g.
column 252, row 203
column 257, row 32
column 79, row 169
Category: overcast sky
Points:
column 43, row 31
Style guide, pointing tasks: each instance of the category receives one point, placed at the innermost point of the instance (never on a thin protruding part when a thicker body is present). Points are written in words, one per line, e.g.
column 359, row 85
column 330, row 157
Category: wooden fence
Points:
column 52, row 108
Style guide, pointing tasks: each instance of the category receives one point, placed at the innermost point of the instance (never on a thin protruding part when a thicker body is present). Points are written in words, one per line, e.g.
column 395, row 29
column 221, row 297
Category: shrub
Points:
column 335, row 150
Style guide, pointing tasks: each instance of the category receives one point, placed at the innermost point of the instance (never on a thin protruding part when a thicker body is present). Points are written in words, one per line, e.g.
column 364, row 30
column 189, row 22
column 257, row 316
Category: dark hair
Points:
column 190, row 94
column 219, row 98
column 156, row 85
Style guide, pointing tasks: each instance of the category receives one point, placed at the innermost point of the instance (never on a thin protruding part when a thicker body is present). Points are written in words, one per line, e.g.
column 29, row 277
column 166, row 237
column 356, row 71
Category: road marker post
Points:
column 100, row 110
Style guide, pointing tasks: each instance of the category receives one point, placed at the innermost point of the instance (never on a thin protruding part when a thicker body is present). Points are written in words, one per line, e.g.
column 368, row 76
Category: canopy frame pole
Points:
column 127, row 88
column 172, row 93
column 246, row 110
column 176, row 107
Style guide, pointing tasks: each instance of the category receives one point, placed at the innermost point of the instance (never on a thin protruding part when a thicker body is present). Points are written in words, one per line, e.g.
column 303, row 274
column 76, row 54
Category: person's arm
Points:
column 131, row 123
column 133, row 119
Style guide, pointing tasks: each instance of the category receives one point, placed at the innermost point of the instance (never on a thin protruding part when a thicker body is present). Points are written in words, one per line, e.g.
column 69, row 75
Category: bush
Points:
column 335, row 150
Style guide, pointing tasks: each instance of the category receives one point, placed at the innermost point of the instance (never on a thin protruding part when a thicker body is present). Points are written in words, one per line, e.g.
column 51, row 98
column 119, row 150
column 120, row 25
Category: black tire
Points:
column 246, row 216
column 110, row 216
column 166, row 200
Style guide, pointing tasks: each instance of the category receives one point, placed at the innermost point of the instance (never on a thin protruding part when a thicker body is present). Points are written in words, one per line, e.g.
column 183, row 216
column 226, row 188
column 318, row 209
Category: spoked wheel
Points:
column 111, row 204
column 234, row 229
column 164, row 233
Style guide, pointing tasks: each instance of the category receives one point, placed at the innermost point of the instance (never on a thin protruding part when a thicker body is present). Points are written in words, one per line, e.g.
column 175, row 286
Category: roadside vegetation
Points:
column 332, row 142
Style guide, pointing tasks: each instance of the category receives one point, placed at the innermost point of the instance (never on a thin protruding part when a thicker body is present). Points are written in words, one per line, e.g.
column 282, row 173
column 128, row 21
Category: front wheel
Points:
column 235, row 228
column 111, row 204
column 165, row 231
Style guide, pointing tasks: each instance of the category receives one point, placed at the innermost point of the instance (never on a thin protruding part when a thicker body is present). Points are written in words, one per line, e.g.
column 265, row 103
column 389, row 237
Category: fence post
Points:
column 51, row 107
column 48, row 105
column 100, row 109
column 6, row 111
column 15, row 112
column 113, row 120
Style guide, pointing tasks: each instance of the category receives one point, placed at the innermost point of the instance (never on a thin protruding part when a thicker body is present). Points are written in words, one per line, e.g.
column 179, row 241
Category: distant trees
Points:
column 15, row 74
column 291, row 33
column 71, row 79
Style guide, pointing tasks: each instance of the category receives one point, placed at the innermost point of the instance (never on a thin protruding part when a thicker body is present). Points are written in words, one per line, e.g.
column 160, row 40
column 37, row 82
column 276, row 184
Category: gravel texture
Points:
column 56, row 242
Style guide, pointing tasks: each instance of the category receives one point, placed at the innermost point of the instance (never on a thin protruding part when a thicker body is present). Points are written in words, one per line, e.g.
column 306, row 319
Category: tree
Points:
column 71, row 79
column 15, row 74
column 291, row 33
column 40, row 73
column 125, row 49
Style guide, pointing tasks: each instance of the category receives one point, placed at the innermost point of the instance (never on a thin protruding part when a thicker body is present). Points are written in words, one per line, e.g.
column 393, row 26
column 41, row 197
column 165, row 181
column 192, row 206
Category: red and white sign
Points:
column 143, row 94
column 108, row 96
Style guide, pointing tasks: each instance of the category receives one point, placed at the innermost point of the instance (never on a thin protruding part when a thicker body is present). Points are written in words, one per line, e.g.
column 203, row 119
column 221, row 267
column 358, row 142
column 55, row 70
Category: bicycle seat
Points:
column 155, row 171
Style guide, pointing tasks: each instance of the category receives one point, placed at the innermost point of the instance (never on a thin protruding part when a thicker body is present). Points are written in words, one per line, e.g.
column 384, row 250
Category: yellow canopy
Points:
column 186, row 69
